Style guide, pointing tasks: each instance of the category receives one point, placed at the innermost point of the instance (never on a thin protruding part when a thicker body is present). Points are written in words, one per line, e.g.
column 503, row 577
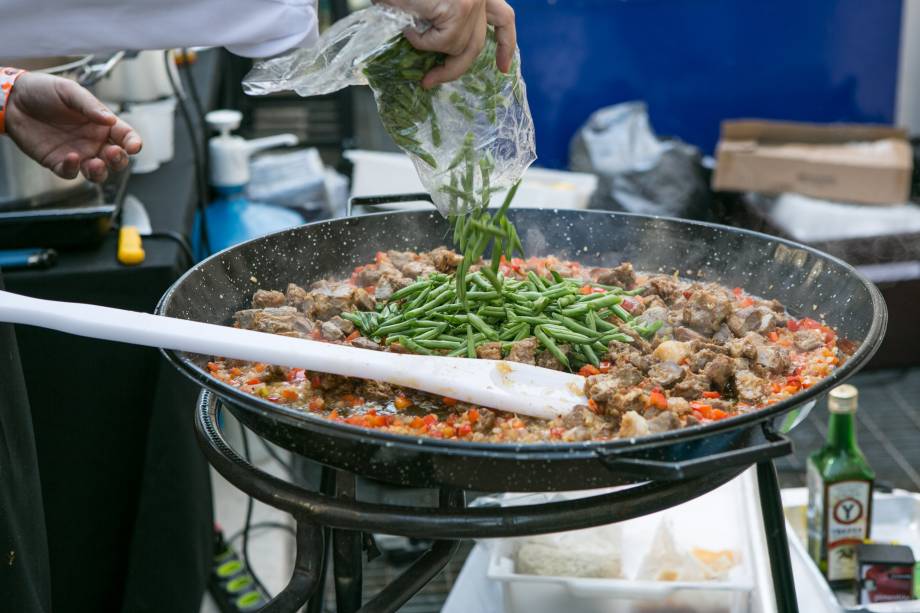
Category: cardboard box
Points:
column 840, row 162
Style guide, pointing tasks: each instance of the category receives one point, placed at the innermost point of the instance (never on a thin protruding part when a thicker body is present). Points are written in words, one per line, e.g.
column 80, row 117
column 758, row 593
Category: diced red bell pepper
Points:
column 657, row 400
column 448, row 402
column 588, row 370
column 296, row 374
column 473, row 415
column 712, row 395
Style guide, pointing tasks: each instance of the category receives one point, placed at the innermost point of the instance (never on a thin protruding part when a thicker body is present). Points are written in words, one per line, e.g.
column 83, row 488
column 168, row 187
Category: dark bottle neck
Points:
column 841, row 431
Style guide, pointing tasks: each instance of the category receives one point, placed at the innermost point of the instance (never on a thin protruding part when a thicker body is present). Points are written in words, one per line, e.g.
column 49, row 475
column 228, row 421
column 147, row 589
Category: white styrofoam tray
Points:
column 723, row 519
column 895, row 518
column 378, row 173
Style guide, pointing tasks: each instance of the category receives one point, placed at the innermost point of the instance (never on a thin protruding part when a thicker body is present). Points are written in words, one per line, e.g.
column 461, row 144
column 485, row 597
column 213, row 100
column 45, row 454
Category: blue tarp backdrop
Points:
column 696, row 62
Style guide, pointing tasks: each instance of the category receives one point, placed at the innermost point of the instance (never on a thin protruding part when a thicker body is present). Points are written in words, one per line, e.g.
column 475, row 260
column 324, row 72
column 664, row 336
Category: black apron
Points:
column 24, row 569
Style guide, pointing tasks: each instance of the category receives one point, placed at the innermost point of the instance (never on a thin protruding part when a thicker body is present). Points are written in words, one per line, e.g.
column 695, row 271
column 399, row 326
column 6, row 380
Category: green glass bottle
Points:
column 839, row 493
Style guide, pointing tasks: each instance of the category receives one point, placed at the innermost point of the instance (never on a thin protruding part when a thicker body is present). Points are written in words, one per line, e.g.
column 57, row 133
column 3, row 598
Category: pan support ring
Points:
column 333, row 514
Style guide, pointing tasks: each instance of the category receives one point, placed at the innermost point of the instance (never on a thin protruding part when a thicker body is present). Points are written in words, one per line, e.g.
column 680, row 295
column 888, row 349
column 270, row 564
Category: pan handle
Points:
column 385, row 199
column 775, row 445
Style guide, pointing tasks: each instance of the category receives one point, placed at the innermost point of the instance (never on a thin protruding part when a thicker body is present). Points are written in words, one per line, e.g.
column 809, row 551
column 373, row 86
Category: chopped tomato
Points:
column 556, row 432
column 417, row 423
column 809, row 324
column 717, row 414
column 589, row 369
column 448, row 431
column 314, row 381
column 253, row 381
column 777, row 388
column 402, row 403
column 352, row 400
column 687, row 293
column 430, row 419
column 585, row 290
column 290, row 394
column 738, row 292
column 213, row 366
column 593, row 405
column 448, row 402
column 352, row 336
column 657, row 399
column 380, row 256
column 746, row 302
column 451, row 419
column 355, row 420
column 375, row 421
column 792, row 325
column 465, row 430
column 712, row 395
column 236, row 372
column 701, row 408
column 259, row 367
column 604, row 367
column 296, row 374
column 629, row 304
column 473, row 415
column 334, row 416
column 317, row 404
column 774, row 336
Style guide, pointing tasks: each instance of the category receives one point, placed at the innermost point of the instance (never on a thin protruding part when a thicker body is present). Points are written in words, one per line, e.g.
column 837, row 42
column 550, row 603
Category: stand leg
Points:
column 347, row 555
column 318, row 600
column 771, row 505
column 306, row 575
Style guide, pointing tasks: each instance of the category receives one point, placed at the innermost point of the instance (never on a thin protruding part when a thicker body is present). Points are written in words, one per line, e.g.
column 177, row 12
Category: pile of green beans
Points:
column 429, row 317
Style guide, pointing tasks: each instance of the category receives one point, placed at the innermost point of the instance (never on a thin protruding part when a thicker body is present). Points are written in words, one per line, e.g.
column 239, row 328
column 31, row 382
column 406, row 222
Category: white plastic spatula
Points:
column 509, row 386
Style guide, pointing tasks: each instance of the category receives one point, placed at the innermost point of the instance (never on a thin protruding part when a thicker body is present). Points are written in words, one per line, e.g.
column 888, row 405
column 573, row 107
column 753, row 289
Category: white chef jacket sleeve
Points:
column 253, row 28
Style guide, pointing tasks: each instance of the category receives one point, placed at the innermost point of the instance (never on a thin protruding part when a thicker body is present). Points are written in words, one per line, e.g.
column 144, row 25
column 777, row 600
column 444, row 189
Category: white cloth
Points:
column 252, row 28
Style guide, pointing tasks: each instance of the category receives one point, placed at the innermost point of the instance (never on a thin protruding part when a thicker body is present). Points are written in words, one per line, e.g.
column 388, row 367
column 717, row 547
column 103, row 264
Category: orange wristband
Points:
column 8, row 77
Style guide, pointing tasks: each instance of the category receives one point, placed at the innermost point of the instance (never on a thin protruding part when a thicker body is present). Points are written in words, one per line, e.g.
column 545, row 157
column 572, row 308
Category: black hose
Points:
column 200, row 179
column 247, row 526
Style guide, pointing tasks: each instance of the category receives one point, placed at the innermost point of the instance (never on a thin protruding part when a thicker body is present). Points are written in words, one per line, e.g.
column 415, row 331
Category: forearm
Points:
column 247, row 27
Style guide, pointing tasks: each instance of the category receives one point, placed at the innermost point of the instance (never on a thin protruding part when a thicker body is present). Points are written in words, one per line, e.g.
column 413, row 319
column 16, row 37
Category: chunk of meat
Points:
column 771, row 360
column 699, row 360
column 546, row 359
column 752, row 319
column 369, row 275
column 751, row 388
column 277, row 320
column 342, row 324
column 745, row 347
column 623, row 354
column 581, row 415
column 400, row 259
column 633, row 425
column 377, row 390
column 720, row 371
column 724, row 335
column 489, row 351
column 486, row 421
column 524, row 351
column 663, row 422
column 264, row 299
column 413, row 270
column 327, row 299
column 678, row 405
column 445, row 260
column 601, row 388
column 706, row 310
column 622, row 276
column 686, row 334
column 331, row 332
column 295, row 295
column 665, row 374
column 365, row 343
column 692, row 387
column 633, row 400
column 363, row 300
column 666, row 287
column 807, row 340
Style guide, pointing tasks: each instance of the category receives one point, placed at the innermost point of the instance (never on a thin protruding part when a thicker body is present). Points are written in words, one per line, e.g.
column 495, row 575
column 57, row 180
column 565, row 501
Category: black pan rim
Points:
column 866, row 350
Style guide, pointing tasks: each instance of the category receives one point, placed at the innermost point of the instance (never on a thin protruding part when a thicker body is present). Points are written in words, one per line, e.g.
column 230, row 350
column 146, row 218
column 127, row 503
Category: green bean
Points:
column 390, row 329
column 482, row 326
column 621, row 312
column 589, row 353
column 574, row 326
column 414, row 347
column 438, row 344
column 409, row 290
column 470, row 346
column 564, row 334
column 551, row 346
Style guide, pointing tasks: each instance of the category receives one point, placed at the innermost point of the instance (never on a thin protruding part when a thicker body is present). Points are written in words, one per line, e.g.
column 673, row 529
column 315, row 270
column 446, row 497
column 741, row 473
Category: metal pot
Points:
column 23, row 181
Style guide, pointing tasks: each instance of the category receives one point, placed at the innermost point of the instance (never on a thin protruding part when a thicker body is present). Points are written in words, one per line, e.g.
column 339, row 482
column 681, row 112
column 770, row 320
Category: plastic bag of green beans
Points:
column 470, row 140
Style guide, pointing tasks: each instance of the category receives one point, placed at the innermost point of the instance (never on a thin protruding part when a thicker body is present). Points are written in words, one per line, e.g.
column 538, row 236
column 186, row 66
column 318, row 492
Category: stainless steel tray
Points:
column 895, row 518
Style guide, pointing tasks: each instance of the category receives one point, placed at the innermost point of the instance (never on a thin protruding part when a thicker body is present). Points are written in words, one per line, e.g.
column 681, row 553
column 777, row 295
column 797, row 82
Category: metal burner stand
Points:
column 333, row 513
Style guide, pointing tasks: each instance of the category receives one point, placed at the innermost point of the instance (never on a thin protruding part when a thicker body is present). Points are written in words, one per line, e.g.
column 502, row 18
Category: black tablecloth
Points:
column 126, row 491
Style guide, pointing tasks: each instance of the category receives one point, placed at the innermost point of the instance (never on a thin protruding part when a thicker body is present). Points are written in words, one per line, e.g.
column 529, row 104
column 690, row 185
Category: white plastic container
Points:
column 139, row 79
column 155, row 122
column 723, row 519
column 379, row 173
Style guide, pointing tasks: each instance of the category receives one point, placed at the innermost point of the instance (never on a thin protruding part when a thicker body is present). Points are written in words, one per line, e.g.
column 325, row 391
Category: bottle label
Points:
column 847, row 517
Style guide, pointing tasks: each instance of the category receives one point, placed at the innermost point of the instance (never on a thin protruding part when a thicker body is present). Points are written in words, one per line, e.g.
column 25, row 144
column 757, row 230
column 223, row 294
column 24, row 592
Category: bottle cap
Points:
column 843, row 399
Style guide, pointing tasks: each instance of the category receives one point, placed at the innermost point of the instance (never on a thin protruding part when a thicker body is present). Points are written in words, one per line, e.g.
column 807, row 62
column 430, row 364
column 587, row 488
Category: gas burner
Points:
column 334, row 513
